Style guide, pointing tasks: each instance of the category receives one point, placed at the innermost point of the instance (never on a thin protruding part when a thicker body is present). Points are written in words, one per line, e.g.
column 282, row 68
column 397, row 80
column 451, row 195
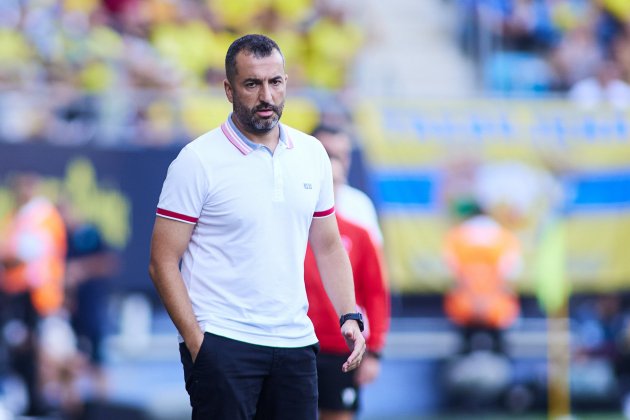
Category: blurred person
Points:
column 90, row 266
column 294, row 12
column 599, row 323
column 180, row 40
column 125, row 14
column 513, row 25
column 577, row 54
column 338, row 391
column 237, row 15
column 286, row 32
column 329, row 61
column 482, row 256
column 601, row 363
column 615, row 16
column 620, row 50
column 528, row 26
column 622, row 357
column 17, row 67
column 32, row 257
column 351, row 203
column 605, row 88
column 237, row 208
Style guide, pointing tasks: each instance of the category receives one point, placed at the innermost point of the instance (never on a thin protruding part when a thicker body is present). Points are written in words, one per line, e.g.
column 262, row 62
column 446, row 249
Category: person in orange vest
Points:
column 482, row 257
column 32, row 264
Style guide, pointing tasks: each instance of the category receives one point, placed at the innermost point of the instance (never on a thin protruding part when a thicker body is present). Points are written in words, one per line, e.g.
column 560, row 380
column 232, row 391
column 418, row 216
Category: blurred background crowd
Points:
column 507, row 120
column 546, row 46
column 135, row 72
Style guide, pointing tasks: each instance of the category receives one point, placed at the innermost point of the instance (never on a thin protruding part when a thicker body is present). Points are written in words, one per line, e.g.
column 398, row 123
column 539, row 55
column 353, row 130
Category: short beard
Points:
column 247, row 117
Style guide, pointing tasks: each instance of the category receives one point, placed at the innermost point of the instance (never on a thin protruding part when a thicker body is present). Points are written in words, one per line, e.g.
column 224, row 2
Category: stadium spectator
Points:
column 605, row 88
column 328, row 62
column 239, row 301
column 565, row 40
column 117, row 71
column 576, row 56
column 602, row 349
column 528, row 26
column 32, row 257
column 620, row 52
column 339, row 393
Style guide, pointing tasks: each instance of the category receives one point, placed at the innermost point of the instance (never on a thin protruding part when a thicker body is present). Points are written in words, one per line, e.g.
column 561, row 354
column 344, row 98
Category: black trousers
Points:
column 233, row 380
column 22, row 358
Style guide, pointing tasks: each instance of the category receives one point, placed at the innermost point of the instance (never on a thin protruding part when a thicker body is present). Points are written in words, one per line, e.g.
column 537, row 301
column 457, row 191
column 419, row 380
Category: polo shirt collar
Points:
column 243, row 144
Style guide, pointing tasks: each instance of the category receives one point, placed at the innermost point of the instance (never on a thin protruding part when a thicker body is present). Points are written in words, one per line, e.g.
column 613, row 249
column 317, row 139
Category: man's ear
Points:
column 228, row 90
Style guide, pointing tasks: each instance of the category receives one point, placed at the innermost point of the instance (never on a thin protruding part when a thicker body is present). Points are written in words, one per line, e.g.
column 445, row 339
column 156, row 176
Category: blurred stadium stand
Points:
column 94, row 92
column 412, row 52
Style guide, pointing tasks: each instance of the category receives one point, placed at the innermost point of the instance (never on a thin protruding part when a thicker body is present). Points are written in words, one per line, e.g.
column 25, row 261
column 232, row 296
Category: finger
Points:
column 354, row 359
column 348, row 366
column 355, row 355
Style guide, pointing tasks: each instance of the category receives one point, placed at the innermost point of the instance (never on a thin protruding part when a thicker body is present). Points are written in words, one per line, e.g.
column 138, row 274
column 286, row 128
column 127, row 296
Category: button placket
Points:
column 278, row 177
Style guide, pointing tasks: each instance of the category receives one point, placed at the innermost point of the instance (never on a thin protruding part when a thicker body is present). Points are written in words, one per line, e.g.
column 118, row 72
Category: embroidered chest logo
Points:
column 308, row 186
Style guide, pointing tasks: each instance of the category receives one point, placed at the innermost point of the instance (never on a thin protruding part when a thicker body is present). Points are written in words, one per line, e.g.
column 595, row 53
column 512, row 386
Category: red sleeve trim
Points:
column 176, row 216
column 324, row 213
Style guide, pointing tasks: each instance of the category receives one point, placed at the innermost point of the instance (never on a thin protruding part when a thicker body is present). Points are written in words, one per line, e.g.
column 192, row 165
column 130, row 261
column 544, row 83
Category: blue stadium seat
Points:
column 516, row 73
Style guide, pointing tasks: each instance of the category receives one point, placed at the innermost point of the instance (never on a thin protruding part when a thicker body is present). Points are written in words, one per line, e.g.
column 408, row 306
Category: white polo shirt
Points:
column 252, row 210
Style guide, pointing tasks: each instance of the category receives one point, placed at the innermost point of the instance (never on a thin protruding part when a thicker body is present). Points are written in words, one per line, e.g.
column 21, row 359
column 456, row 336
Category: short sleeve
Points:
column 326, row 201
column 184, row 189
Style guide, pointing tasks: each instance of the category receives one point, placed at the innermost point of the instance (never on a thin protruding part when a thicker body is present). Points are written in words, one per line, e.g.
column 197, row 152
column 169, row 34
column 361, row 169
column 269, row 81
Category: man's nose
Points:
column 265, row 94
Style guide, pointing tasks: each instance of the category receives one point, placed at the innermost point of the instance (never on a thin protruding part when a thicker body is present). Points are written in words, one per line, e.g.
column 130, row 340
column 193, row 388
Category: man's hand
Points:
column 355, row 341
column 194, row 345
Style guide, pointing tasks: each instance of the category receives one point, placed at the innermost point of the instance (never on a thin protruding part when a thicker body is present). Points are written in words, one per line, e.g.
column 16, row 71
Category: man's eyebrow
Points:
column 257, row 79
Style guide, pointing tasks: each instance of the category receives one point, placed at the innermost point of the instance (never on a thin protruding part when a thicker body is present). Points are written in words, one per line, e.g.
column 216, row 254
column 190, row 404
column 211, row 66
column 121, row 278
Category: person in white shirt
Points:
column 237, row 207
column 606, row 88
column 352, row 203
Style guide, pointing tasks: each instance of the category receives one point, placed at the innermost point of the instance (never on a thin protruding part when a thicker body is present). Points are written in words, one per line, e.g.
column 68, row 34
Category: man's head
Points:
column 255, row 83
column 24, row 186
column 336, row 142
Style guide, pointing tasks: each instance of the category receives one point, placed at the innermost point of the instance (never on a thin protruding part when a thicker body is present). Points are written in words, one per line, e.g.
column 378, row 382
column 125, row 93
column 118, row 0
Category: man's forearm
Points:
column 336, row 274
column 171, row 289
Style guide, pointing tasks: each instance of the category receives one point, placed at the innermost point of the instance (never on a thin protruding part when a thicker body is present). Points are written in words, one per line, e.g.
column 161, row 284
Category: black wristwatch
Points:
column 356, row 316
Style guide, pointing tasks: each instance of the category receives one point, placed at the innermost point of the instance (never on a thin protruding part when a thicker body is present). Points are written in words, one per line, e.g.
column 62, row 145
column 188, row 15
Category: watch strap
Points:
column 355, row 316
